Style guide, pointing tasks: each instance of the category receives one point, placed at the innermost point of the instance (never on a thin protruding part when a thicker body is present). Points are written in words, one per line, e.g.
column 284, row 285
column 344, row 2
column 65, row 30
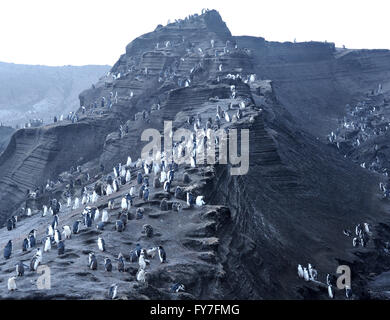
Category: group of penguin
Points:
column 90, row 214
column 362, row 234
column 311, row 274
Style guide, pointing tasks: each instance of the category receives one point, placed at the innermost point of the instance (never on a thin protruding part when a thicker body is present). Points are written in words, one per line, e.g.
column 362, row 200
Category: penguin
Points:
column 190, row 199
column 121, row 263
column 14, row 220
column 312, row 272
column 29, row 212
column 19, row 268
column 47, row 244
column 92, row 262
column 101, row 244
column 12, row 284
column 139, row 178
column 105, row 216
column 44, row 211
column 306, row 274
column 61, row 247
column 107, row 264
column 355, row 242
column 69, row 202
column 142, row 261
column 177, row 287
column 330, row 292
column 162, row 255
column 50, row 230
column 348, row 292
column 8, row 250
column 67, row 232
column 87, row 221
column 163, row 176
column 57, row 236
column 113, row 292
column 95, row 197
column 119, row 226
column 124, row 204
column 128, row 163
column 109, row 190
column 76, row 226
column 138, row 249
column 366, row 227
column 25, row 245
column 76, row 203
column 167, row 186
column 132, row 191
column 35, row 261
column 300, row 271
column 133, row 256
column 9, row 224
column 54, row 224
column 124, row 218
column 139, row 213
column 128, row 176
column 146, row 194
column 141, row 275
column 31, row 241
column 199, row 201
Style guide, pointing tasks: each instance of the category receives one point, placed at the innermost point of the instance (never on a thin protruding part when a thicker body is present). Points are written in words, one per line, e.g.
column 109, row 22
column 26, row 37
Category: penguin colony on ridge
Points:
column 111, row 188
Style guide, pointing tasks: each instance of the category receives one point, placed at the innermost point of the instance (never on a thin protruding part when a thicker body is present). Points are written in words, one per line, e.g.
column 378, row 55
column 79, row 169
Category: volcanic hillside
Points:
column 300, row 193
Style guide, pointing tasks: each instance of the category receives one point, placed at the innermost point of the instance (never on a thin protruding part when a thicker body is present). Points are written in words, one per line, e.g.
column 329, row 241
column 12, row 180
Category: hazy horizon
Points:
column 77, row 33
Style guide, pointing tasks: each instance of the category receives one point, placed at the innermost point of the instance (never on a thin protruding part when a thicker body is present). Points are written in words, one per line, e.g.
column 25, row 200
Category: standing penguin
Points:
column 330, row 292
column 105, row 216
column 76, row 204
column 19, row 268
column 119, row 226
column 25, row 245
column 47, row 245
column 87, row 221
column 57, row 236
column 300, row 271
column 141, row 275
column 199, row 201
column 101, row 244
column 142, row 261
column 121, row 263
column 139, row 178
column 132, row 191
column 12, row 284
column 8, row 250
column 61, row 247
column 113, row 292
column 162, row 254
column 92, row 262
column 67, row 232
column 306, row 274
column 76, row 226
column 107, row 265
column 124, row 204
column 31, row 241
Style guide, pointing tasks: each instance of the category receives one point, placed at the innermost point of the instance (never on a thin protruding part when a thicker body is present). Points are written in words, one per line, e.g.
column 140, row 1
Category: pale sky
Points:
column 79, row 32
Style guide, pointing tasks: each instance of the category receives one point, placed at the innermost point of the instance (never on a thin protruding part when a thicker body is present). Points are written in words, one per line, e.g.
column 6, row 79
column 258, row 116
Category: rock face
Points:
column 5, row 136
column 246, row 242
column 40, row 92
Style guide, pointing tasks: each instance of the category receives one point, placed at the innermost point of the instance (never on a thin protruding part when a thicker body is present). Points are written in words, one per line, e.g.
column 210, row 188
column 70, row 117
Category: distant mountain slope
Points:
column 28, row 92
